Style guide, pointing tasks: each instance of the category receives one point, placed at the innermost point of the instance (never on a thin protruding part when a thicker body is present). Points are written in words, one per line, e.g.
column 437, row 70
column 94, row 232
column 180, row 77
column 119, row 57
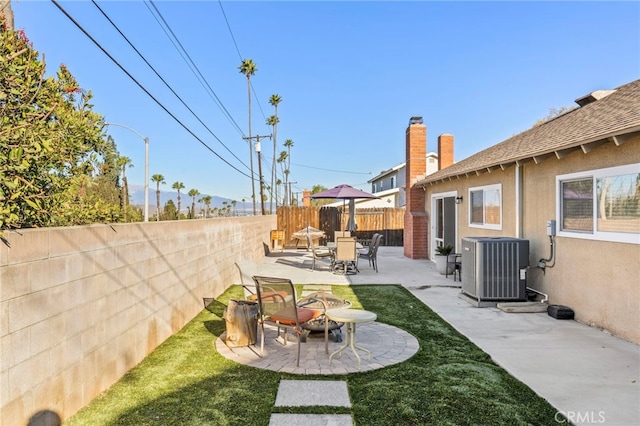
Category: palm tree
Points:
column 274, row 100
column 273, row 122
column 193, row 193
column 282, row 159
column 244, row 208
column 278, row 184
column 158, row 179
column 288, row 144
column 207, row 202
column 178, row 186
column 235, row 211
column 249, row 68
column 123, row 163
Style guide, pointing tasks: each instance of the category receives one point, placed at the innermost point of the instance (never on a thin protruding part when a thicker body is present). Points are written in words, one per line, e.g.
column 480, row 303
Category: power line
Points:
column 164, row 81
column 194, row 68
column 332, row 170
column 55, row 2
column 241, row 58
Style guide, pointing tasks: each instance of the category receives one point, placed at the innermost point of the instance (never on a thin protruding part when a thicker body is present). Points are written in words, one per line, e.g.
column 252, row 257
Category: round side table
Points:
column 350, row 317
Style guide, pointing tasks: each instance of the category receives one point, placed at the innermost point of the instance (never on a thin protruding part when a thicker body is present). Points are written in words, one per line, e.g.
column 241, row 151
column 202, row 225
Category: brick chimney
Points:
column 306, row 198
column 415, row 218
column 445, row 150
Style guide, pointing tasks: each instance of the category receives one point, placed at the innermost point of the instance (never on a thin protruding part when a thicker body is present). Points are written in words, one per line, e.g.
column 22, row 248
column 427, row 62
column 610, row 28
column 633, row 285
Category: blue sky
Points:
column 350, row 74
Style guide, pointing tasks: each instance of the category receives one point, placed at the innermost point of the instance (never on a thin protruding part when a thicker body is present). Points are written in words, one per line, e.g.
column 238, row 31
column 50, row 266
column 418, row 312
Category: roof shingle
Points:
column 613, row 115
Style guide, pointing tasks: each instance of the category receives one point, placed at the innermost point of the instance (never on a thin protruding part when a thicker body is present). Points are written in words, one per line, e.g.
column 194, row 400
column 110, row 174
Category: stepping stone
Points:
column 298, row 393
column 310, row 419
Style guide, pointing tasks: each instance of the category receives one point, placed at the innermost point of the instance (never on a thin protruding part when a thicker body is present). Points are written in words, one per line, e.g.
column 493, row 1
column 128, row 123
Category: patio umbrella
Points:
column 346, row 192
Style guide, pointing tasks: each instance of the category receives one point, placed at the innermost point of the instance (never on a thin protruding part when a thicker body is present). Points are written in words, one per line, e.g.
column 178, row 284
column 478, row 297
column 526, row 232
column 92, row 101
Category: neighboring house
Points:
column 390, row 184
column 581, row 170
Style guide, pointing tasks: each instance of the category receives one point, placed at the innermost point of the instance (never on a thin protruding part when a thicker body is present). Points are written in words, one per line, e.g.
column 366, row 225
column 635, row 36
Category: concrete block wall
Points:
column 80, row 306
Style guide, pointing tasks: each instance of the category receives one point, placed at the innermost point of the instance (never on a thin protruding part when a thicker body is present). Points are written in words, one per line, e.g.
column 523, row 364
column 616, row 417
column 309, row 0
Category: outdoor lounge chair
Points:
column 277, row 307
column 318, row 254
column 372, row 253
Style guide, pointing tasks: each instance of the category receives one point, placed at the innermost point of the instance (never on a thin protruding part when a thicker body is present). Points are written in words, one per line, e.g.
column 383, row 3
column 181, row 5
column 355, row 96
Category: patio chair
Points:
column 372, row 253
column 319, row 254
column 277, row 307
column 346, row 255
column 338, row 234
column 454, row 264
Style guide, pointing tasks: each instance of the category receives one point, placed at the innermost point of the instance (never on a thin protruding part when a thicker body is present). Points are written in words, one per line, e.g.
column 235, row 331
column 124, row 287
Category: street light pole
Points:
column 146, row 167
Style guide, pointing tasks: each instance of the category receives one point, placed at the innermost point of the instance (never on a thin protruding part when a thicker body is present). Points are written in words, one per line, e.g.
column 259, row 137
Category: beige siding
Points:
column 597, row 279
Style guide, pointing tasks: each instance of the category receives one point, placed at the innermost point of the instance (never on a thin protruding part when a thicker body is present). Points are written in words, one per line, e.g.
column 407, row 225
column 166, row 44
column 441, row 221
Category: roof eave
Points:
column 618, row 138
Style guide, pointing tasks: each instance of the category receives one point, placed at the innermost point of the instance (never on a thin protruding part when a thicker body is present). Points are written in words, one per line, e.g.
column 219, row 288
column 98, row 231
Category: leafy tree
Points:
column 249, row 68
column 319, row 202
column 56, row 166
column 193, row 193
column 178, row 186
column 158, row 179
column 170, row 211
column 553, row 113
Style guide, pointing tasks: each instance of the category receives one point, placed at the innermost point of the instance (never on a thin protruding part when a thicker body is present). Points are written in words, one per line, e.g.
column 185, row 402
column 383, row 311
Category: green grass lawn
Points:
column 449, row 381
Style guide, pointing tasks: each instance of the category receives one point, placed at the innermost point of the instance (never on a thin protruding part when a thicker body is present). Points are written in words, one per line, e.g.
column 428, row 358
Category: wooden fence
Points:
column 387, row 221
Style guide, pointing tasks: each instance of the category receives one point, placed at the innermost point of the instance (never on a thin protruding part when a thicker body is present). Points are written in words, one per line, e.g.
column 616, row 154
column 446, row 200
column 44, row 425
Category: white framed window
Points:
column 601, row 204
column 485, row 207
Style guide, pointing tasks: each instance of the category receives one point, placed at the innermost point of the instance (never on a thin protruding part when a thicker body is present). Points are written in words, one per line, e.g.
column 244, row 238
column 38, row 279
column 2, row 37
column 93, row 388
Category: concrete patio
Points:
column 588, row 375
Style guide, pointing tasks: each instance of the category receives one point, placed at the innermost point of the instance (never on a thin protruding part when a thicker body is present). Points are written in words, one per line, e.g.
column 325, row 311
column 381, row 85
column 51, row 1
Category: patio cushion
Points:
column 286, row 316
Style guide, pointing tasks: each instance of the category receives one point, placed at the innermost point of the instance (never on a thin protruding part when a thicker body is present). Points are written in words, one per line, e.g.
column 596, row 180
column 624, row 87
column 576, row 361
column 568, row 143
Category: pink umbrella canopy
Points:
column 346, row 192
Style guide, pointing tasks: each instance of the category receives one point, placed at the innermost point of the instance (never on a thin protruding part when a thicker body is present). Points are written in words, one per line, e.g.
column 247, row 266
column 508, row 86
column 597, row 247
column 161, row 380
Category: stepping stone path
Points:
column 304, row 393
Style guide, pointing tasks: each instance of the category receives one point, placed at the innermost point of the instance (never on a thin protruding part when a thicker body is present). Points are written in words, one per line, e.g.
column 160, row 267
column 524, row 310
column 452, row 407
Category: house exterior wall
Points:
column 461, row 188
column 80, row 306
column 597, row 279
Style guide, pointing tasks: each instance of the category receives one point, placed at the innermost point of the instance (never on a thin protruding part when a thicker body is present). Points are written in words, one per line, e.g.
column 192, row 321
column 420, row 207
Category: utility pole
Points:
column 258, row 150
column 291, row 194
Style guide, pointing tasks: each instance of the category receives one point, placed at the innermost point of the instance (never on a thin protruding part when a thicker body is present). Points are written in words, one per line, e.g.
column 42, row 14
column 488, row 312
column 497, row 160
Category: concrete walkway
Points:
column 588, row 375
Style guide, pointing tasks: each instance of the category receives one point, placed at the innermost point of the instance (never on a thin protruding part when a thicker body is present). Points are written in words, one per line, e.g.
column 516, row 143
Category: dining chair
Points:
column 346, row 255
column 319, row 254
column 338, row 234
column 372, row 253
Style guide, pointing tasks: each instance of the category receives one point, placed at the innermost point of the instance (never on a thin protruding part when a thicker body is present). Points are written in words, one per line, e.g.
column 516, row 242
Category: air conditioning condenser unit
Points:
column 495, row 269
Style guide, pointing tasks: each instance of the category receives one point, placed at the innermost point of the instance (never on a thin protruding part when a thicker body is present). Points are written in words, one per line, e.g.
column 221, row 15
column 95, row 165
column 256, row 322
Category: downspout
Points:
column 518, row 201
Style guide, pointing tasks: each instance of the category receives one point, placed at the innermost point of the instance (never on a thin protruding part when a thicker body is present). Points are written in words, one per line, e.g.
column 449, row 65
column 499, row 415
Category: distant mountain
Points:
column 136, row 196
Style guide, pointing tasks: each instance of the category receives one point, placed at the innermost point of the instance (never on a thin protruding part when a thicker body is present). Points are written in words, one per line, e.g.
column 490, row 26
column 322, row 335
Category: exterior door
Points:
column 444, row 223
